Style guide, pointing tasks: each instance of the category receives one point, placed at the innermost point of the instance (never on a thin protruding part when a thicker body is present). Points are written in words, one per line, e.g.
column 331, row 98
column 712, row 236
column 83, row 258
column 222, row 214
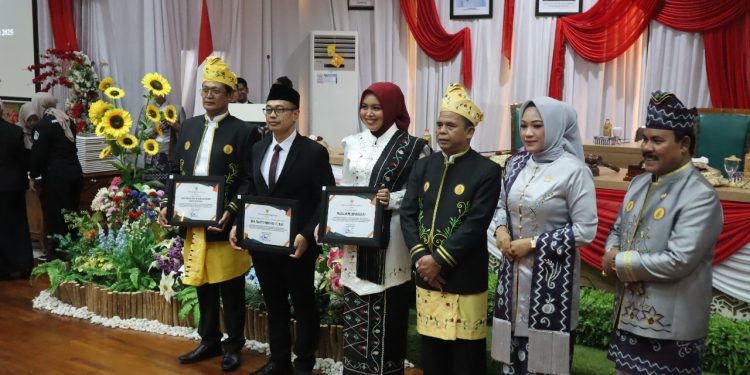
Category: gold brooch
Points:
column 659, row 213
column 228, row 149
column 187, row 145
column 629, row 207
column 459, row 189
column 426, row 185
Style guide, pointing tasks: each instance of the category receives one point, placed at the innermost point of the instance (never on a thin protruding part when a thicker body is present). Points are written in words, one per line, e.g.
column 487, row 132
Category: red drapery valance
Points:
column 508, row 16
column 424, row 23
column 734, row 235
column 610, row 27
column 63, row 28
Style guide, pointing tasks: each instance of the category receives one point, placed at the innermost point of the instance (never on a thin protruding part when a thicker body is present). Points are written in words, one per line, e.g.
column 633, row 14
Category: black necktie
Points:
column 274, row 165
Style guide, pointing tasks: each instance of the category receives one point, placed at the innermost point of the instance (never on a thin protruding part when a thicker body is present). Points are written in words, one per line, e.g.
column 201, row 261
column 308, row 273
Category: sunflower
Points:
column 127, row 141
column 97, row 111
column 114, row 92
column 105, row 152
column 153, row 113
column 116, row 122
column 159, row 129
column 100, row 130
column 170, row 113
column 106, row 83
column 151, row 147
column 156, row 84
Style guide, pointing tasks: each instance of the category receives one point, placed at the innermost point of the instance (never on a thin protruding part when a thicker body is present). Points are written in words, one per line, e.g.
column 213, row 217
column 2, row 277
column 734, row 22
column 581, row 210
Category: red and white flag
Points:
column 205, row 49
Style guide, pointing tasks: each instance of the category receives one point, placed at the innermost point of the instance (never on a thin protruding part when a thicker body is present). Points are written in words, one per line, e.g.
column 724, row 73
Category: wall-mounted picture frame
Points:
column 558, row 7
column 463, row 9
column 361, row 4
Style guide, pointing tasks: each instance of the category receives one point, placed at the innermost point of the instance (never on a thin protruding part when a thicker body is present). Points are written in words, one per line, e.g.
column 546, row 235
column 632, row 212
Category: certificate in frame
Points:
column 195, row 201
column 558, row 7
column 267, row 224
column 351, row 216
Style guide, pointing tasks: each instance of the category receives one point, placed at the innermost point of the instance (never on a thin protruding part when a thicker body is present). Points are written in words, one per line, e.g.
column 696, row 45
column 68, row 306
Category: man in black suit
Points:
column 215, row 145
column 15, row 248
column 289, row 166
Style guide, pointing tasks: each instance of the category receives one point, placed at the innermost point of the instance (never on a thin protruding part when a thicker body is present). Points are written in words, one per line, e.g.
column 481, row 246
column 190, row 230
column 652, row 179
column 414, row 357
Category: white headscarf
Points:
column 560, row 129
column 26, row 111
column 44, row 103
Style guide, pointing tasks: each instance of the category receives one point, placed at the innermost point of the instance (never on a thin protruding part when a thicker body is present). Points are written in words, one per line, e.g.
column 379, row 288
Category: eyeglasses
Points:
column 213, row 91
column 278, row 110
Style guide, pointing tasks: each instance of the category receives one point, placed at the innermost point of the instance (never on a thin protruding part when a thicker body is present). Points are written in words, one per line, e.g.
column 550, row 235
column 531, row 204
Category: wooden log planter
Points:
column 150, row 305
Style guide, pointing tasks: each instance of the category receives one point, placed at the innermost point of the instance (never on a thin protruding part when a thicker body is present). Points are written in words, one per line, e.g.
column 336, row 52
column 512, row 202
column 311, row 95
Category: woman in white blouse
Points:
column 377, row 280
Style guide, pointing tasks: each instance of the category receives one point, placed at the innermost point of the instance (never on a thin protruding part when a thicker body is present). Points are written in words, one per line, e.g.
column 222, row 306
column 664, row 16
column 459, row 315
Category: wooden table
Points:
column 620, row 155
column 609, row 179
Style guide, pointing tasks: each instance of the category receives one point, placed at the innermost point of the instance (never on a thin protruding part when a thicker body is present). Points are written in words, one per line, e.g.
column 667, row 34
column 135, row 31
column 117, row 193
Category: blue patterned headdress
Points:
column 667, row 112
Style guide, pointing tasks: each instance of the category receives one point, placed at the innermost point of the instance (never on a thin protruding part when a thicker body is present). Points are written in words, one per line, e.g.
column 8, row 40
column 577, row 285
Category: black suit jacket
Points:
column 54, row 156
column 13, row 158
column 231, row 143
column 306, row 170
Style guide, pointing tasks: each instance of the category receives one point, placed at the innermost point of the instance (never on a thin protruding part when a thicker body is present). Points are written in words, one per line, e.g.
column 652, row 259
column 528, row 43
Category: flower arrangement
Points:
column 74, row 70
column 114, row 124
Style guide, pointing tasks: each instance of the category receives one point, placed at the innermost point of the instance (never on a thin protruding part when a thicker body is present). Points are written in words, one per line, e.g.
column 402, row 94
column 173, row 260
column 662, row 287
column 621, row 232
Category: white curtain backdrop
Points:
column 676, row 63
column 265, row 39
column 488, row 91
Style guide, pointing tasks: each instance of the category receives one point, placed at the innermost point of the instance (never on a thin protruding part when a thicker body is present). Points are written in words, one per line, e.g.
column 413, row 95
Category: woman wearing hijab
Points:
column 54, row 164
column 27, row 120
column 546, row 210
column 376, row 280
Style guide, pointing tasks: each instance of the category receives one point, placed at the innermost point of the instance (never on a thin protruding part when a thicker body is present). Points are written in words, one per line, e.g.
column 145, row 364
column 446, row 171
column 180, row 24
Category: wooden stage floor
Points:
column 35, row 342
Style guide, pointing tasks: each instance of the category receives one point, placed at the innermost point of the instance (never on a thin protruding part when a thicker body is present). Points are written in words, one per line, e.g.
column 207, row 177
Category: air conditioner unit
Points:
column 334, row 92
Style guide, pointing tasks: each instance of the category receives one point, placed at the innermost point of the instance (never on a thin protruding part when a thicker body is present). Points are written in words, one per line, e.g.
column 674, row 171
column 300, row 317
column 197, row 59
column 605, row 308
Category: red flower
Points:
column 76, row 110
column 117, row 199
column 116, row 181
column 135, row 214
column 152, row 194
column 126, row 190
column 79, row 127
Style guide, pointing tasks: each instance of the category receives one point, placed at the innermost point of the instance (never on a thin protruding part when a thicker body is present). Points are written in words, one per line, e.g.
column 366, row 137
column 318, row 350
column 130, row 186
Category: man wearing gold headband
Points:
column 449, row 201
column 214, row 145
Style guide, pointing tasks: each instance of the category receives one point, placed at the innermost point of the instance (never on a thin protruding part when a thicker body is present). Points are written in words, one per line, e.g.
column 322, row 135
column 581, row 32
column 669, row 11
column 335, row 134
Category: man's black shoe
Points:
column 203, row 351
column 231, row 361
column 273, row 368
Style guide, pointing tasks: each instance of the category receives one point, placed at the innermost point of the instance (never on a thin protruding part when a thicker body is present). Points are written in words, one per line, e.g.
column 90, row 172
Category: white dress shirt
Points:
column 204, row 152
column 283, row 153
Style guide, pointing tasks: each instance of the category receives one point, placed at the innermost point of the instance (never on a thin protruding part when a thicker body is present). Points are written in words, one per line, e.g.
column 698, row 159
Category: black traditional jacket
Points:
column 447, row 208
column 230, row 156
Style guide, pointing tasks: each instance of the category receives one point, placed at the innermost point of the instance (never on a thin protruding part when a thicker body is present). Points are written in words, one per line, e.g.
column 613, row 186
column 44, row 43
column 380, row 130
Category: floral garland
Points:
column 74, row 70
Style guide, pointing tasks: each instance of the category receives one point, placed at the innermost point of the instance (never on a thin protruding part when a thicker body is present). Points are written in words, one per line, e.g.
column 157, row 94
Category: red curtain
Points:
column 424, row 23
column 508, row 17
column 728, row 63
column 63, row 27
column 610, row 27
column 734, row 235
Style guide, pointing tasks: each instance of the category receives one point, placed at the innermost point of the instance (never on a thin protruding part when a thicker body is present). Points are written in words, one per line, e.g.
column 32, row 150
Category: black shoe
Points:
column 231, row 361
column 299, row 371
column 203, row 351
column 273, row 368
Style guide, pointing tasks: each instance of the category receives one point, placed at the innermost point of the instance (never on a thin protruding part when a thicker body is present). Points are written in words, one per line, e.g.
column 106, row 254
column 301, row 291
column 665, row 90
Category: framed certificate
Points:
column 267, row 224
column 351, row 216
column 195, row 201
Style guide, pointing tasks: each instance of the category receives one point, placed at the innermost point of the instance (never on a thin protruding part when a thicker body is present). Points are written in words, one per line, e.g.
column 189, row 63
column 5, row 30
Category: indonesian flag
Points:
column 205, row 49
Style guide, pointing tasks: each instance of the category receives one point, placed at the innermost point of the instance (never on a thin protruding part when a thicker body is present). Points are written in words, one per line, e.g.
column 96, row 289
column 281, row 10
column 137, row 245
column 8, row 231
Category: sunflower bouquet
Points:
column 125, row 140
